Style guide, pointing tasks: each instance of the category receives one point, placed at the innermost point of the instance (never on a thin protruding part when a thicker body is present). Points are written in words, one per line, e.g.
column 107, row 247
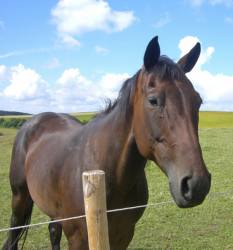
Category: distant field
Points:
column 17, row 121
column 84, row 117
column 207, row 119
column 15, row 116
column 208, row 226
column 216, row 119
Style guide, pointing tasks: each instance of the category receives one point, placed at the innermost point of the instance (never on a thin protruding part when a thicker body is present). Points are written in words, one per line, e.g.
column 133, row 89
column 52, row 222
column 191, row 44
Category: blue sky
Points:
column 70, row 55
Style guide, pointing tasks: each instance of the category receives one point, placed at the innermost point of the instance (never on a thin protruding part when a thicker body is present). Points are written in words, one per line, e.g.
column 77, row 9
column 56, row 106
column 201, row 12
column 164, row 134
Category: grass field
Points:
column 207, row 119
column 208, row 226
column 216, row 119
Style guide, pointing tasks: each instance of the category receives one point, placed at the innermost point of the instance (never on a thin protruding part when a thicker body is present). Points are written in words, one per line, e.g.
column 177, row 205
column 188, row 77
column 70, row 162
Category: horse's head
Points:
column 165, row 123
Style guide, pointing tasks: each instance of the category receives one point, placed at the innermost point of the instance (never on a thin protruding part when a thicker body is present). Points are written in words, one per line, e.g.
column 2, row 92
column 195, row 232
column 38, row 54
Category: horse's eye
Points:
column 153, row 100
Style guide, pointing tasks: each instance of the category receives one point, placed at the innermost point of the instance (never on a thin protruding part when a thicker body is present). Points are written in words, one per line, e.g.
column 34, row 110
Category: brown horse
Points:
column 155, row 117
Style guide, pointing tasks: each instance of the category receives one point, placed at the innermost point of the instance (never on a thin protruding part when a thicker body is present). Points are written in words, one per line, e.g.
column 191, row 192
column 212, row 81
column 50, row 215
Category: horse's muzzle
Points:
column 190, row 191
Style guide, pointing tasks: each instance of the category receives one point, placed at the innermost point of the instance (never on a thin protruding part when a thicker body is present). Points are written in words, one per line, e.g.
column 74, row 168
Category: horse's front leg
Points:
column 76, row 234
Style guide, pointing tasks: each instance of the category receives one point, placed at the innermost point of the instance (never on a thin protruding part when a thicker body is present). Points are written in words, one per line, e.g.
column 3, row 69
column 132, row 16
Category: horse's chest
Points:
column 122, row 221
column 121, row 227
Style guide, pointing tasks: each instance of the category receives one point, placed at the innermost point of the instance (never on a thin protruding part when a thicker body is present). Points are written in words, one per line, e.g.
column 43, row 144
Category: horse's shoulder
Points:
column 47, row 123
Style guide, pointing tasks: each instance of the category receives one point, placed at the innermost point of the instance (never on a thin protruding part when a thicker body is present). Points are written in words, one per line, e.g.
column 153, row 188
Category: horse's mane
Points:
column 123, row 101
column 165, row 69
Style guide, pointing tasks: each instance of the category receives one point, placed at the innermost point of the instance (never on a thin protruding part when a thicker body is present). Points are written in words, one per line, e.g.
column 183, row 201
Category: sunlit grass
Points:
column 216, row 119
column 208, row 226
column 207, row 119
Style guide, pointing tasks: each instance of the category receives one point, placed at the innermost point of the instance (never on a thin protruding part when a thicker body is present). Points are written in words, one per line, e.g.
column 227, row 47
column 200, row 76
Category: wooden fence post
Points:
column 95, row 209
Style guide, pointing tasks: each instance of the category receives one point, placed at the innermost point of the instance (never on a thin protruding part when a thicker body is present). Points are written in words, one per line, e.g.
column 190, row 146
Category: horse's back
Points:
column 48, row 123
column 30, row 133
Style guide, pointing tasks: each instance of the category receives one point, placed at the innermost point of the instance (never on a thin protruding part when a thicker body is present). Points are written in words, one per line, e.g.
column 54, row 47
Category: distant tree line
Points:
column 4, row 113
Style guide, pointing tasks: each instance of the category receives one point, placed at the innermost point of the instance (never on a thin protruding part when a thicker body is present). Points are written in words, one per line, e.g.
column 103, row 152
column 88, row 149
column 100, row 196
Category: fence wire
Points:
column 210, row 196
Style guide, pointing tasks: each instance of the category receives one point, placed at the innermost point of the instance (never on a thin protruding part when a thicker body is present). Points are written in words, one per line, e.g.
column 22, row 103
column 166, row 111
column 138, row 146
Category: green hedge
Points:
column 17, row 122
column 12, row 122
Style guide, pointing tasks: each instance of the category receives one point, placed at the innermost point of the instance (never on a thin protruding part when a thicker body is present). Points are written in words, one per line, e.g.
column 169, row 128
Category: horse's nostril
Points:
column 194, row 188
column 186, row 189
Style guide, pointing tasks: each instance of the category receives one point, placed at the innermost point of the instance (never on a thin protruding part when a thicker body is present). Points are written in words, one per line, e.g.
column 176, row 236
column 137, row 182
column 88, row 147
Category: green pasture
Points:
column 207, row 119
column 216, row 119
column 17, row 121
column 208, row 226
column 84, row 117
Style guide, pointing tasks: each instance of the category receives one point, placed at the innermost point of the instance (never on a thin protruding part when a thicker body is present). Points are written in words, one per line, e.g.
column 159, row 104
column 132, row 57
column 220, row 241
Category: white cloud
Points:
column 11, row 53
column 25, row 90
column 101, row 50
column 188, row 42
column 198, row 3
column 53, row 63
column 109, row 84
column 25, row 84
column 2, row 70
column 215, row 89
column 73, row 18
column 72, row 90
column 24, row 52
column 69, row 40
column 4, row 76
column 71, row 77
column 76, row 92
column 165, row 19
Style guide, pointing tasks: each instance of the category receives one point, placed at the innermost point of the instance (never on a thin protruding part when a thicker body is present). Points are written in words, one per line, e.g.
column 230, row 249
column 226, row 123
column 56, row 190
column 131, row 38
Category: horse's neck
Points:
column 128, row 164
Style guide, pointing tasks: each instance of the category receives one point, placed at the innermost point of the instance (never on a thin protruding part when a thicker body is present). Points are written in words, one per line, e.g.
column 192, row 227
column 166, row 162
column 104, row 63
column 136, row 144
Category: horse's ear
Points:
column 188, row 61
column 152, row 54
